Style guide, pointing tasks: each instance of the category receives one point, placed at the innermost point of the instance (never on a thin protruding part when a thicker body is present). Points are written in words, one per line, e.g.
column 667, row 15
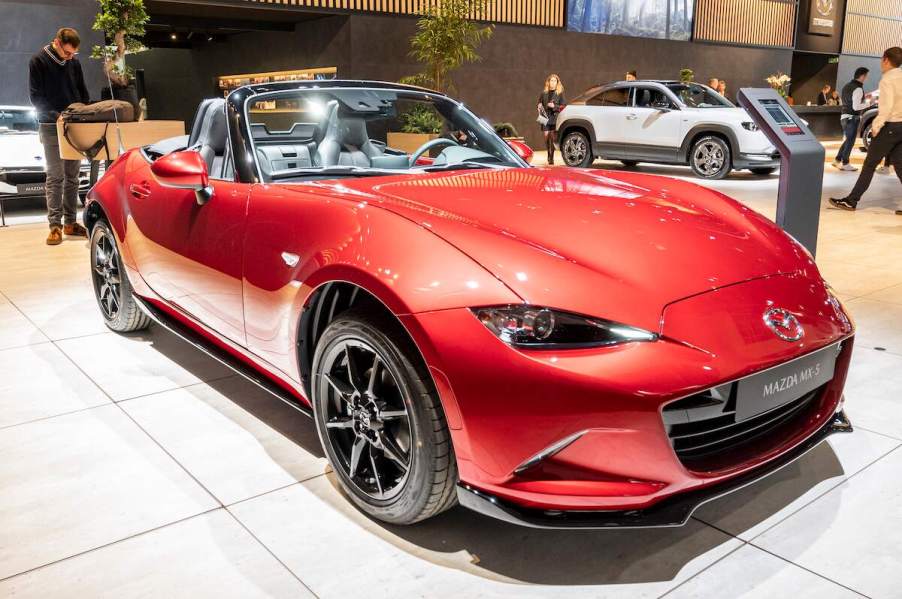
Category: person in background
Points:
column 853, row 105
column 631, row 76
column 887, row 128
column 714, row 83
column 823, row 95
column 55, row 80
column 551, row 102
column 722, row 87
column 834, row 99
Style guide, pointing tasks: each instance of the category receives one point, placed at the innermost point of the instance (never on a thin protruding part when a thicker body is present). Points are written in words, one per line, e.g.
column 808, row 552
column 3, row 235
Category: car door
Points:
column 190, row 254
column 652, row 125
column 611, row 106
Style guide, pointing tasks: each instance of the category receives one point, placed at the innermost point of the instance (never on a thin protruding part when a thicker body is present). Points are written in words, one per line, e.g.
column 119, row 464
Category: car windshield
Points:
column 348, row 132
column 696, row 95
column 17, row 120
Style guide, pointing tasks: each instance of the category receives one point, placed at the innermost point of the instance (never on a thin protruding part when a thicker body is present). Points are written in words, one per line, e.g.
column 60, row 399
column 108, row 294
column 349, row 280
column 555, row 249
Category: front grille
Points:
column 704, row 426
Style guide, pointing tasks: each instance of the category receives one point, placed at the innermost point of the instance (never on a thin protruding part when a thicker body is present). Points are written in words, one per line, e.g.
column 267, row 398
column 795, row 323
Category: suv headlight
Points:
column 749, row 126
column 537, row 327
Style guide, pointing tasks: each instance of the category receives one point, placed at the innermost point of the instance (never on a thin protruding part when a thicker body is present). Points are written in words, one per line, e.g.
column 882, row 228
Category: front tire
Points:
column 380, row 420
column 577, row 149
column 867, row 136
column 111, row 286
column 710, row 157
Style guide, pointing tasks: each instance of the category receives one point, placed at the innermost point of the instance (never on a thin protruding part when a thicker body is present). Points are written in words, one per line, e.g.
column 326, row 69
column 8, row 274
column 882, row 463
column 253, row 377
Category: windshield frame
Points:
column 240, row 101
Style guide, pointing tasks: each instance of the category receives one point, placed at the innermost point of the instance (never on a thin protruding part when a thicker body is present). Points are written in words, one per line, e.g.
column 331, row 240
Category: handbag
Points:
column 542, row 120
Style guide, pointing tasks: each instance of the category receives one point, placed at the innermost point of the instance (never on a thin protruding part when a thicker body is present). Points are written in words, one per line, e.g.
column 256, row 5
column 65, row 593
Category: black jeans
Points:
column 850, row 133
column 887, row 143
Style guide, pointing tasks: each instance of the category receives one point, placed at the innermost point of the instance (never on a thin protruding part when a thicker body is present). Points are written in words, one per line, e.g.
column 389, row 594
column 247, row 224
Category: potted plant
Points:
column 122, row 22
column 780, row 82
column 687, row 75
column 419, row 124
column 446, row 38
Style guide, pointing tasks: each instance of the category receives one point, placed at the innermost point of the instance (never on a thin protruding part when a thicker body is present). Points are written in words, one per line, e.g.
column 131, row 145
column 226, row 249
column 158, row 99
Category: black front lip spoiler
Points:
column 673, row 511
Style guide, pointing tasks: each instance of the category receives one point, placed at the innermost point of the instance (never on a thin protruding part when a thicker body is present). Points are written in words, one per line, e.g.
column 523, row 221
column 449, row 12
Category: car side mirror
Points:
column 663, row 107
column 522, row 150
column 186, row 169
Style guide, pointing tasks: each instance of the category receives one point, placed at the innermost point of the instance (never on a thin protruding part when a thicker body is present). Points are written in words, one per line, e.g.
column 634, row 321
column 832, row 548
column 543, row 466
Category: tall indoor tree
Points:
column 122, row 22
column 447, row 37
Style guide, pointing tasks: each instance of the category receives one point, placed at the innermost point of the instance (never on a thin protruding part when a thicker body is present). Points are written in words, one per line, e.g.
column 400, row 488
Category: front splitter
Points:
column 673, row 511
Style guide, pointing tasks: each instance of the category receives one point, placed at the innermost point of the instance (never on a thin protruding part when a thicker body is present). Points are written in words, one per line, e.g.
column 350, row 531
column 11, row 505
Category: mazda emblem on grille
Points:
column 784, row 324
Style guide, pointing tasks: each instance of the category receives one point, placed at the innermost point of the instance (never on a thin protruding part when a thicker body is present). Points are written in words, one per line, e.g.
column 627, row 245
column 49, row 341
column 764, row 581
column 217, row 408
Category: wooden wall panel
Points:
column 541, row 13
column 872, row 26
column 768, row 23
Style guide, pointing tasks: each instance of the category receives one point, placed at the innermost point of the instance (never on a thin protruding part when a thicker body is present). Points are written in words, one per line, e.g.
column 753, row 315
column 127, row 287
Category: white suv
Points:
column 665, row 122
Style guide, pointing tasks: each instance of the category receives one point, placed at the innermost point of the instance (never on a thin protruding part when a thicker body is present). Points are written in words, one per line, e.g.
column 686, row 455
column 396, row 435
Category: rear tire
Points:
column 710, row 157
column 380, row 420
column 112, row 289
column 577, row 149
column 866, row 136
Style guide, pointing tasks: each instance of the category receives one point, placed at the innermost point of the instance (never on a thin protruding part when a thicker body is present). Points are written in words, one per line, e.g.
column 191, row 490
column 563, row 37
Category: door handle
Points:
column 140, row 191
column 631, row 117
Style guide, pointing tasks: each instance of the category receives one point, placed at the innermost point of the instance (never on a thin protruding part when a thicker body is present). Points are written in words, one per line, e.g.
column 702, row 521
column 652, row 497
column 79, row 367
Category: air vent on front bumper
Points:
column 704, row 426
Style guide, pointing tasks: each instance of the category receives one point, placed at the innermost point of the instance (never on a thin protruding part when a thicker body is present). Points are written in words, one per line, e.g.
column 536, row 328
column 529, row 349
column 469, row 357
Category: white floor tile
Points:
column 874, row 391
column 338, row 552
column 750, row 573
column 879, row 324
column 37, row 381
column 78, row 481
column 137, row 364
column 851, row 534
column 236, row 439
column 752, row 510
column 15, row 328
column 207, row 556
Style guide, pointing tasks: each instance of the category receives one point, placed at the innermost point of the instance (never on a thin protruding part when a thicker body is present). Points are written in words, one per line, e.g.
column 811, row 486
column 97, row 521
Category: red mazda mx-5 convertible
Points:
column 552, row 347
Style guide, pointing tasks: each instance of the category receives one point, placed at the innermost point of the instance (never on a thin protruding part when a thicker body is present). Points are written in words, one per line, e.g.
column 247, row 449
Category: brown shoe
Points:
column 75, row 230
column 56, row 235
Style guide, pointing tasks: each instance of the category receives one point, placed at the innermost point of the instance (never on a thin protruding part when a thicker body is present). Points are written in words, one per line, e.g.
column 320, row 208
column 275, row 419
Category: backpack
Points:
column 105, row 111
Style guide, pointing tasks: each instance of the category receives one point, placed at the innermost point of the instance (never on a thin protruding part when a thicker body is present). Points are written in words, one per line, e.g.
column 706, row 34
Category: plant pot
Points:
column 409, row 142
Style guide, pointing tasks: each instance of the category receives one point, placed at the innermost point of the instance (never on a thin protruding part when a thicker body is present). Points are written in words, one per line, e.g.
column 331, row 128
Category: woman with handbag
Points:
column 551, row 102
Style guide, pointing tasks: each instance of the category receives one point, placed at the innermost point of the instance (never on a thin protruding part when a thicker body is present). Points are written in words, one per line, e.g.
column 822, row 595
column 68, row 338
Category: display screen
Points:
column 780, row 116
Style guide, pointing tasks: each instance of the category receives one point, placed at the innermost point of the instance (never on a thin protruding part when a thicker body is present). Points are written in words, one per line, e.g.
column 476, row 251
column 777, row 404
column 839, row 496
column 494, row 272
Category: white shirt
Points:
column 890, row 109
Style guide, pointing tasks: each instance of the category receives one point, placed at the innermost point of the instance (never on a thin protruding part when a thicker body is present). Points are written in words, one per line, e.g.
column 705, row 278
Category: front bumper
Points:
column 674, row 511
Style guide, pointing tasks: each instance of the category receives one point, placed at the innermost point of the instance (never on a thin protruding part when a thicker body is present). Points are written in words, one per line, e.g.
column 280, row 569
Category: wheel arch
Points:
column 717, row 130
column 576, row 123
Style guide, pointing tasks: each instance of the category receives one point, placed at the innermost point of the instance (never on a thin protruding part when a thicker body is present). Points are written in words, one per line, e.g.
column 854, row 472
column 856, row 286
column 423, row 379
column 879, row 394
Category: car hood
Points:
column 615, row 245
column 18, row 150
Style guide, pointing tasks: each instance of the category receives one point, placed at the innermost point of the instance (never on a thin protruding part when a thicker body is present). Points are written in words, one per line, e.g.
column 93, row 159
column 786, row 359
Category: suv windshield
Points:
column 307, row 133
column 696, row 95
column 18, row 120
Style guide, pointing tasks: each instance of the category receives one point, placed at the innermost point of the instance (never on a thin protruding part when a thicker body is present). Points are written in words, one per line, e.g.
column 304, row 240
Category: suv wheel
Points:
column 710, row 157
column 380, row 421
column 867, row 136
column 576, row 149
column 111, row 287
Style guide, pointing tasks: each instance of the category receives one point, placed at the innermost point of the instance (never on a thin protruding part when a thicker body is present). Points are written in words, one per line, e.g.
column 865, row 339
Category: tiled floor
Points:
column 135, row 466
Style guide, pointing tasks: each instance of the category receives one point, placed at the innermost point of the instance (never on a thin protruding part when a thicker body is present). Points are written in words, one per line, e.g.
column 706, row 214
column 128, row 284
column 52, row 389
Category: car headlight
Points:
column 537, row 327
column 749, row 126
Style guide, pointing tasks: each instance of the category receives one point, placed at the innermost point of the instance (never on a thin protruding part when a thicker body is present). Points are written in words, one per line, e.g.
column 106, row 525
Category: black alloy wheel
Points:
column 380, row 420
column 576, row 149
column 111, row 286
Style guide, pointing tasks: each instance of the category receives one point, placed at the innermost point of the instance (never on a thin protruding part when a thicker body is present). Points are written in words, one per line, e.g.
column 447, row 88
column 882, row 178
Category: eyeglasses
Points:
column 68, row 55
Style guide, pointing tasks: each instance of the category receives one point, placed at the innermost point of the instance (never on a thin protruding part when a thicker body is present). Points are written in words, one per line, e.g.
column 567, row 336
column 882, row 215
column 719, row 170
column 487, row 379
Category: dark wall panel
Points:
column 826, row 44
column 27, row 25
column 809, row 74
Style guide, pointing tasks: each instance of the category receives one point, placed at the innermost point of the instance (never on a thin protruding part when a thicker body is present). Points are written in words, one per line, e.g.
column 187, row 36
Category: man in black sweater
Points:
column 55, row 80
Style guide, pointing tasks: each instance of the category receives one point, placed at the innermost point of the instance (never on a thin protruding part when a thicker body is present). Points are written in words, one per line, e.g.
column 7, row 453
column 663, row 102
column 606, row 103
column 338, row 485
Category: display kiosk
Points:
column 801, row 162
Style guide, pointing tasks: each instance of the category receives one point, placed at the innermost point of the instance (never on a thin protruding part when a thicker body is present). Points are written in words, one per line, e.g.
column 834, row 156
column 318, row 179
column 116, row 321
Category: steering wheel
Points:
column 432, row 143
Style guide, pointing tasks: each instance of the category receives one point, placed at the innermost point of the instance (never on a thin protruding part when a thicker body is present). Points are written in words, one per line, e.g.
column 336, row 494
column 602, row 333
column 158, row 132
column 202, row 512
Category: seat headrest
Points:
column 347, row 130
column 216, row 134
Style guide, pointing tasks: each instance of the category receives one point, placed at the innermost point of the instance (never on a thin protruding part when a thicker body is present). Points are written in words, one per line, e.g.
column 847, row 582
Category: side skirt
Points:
column 220, row 355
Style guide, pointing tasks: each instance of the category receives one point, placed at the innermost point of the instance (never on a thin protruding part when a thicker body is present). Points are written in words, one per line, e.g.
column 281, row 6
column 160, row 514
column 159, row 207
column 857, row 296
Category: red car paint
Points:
column 680, row 260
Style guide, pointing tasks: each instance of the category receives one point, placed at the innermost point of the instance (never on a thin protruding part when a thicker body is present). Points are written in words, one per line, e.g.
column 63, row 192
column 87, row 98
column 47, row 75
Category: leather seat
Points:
column 345, row 142
column 212, row 139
